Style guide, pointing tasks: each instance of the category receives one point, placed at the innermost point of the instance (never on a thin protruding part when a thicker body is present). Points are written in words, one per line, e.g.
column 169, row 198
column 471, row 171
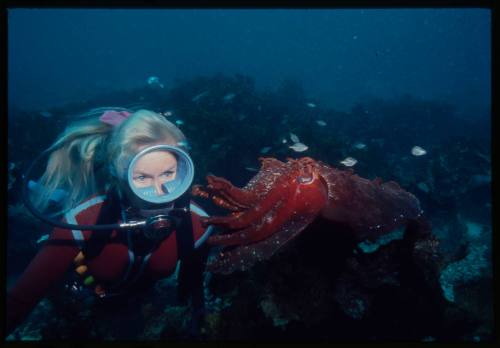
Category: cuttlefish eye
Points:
column 305, row 179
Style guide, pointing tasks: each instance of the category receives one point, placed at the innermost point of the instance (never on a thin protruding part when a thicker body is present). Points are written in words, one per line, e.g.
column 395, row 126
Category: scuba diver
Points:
column 126, row 219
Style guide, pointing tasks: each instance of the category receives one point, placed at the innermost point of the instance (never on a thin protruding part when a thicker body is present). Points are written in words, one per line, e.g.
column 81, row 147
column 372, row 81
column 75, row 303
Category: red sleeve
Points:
column 45, row 270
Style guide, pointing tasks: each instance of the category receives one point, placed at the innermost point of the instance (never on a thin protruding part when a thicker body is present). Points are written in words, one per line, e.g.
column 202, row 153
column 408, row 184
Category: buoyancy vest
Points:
column 191, row 253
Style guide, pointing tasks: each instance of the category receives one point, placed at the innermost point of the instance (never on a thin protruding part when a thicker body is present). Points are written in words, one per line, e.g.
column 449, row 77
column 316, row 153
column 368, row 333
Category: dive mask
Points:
column 169, row 190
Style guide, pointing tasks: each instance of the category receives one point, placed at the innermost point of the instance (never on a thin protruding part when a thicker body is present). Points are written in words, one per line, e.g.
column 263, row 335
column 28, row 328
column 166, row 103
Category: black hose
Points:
column 39, row 215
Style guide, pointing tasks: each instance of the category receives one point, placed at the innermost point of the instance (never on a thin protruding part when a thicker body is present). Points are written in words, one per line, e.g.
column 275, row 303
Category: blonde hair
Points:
column 88, row 151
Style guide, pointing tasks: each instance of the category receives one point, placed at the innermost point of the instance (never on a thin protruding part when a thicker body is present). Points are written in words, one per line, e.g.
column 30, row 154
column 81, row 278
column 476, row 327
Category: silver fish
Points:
column 417, row 151
column 199, row 96
column 321, row 123
column 298, row 147
column 311, row 105
column 349, row 161
column 228, row 97
column 265, row 149
column 294, row 138
column 359, row 146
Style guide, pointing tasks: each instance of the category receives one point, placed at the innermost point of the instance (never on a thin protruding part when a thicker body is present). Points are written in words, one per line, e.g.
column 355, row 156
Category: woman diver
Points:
column 127, row 218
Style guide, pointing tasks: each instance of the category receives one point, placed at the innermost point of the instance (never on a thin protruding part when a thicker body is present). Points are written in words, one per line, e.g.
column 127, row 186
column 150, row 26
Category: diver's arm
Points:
column 45, row 270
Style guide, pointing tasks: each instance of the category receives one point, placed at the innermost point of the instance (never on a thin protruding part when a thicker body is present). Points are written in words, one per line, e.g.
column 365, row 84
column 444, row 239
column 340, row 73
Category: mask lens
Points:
column 160, row 174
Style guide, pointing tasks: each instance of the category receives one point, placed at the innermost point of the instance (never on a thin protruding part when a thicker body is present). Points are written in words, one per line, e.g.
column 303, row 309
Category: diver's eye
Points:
column 168, row 173
column 305, row 179
column 140, row 178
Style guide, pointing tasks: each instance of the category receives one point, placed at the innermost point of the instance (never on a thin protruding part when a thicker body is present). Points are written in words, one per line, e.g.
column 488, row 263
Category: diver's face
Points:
column 154, row 169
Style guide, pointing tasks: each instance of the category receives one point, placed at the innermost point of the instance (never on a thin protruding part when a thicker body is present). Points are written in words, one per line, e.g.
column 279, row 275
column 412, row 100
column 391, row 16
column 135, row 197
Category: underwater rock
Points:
column 318, row 287
column 19, row 211
column 479, row 180
column 273, row 312
column 471, row 267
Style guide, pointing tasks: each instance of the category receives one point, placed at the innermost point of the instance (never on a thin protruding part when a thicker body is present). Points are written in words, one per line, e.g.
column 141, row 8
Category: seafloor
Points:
column 322, row 286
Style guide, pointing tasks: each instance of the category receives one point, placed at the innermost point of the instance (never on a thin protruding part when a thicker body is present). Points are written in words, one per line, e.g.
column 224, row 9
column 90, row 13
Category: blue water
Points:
column 58, row 55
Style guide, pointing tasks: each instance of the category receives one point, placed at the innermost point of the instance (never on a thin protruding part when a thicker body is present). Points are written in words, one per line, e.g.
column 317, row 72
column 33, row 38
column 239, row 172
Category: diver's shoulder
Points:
column 85, row 213
column 87, row 210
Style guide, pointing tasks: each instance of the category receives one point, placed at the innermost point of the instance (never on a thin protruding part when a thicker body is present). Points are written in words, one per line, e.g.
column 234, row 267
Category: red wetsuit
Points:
column 54, row 260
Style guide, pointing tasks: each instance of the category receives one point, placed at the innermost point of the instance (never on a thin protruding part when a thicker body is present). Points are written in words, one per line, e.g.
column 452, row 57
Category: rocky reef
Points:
column 323, row 286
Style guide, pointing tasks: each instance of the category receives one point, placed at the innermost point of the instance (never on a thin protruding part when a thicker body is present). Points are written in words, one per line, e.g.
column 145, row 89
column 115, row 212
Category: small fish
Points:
column 349, row 161
column 168, row 113
column 199, row 96
column 265, row 149
column 423, row 186
column 359, row 146
column 251, row 169
column 228, row 97
column 417, row 151
column 185, row 144
column 45, row 114
column 294, row 138
column 298, row 147
column 311, row 105
column 215, row 146
column 12, row 165
column 321, row 123
column 179, row 122
column 283, row 141
column 154, row 80
column 241, row 117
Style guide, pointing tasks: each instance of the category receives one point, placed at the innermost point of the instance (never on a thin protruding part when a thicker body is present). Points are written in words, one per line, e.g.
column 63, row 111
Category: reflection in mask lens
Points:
column 170, row 186
column 147, row 192
column 150, row 191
